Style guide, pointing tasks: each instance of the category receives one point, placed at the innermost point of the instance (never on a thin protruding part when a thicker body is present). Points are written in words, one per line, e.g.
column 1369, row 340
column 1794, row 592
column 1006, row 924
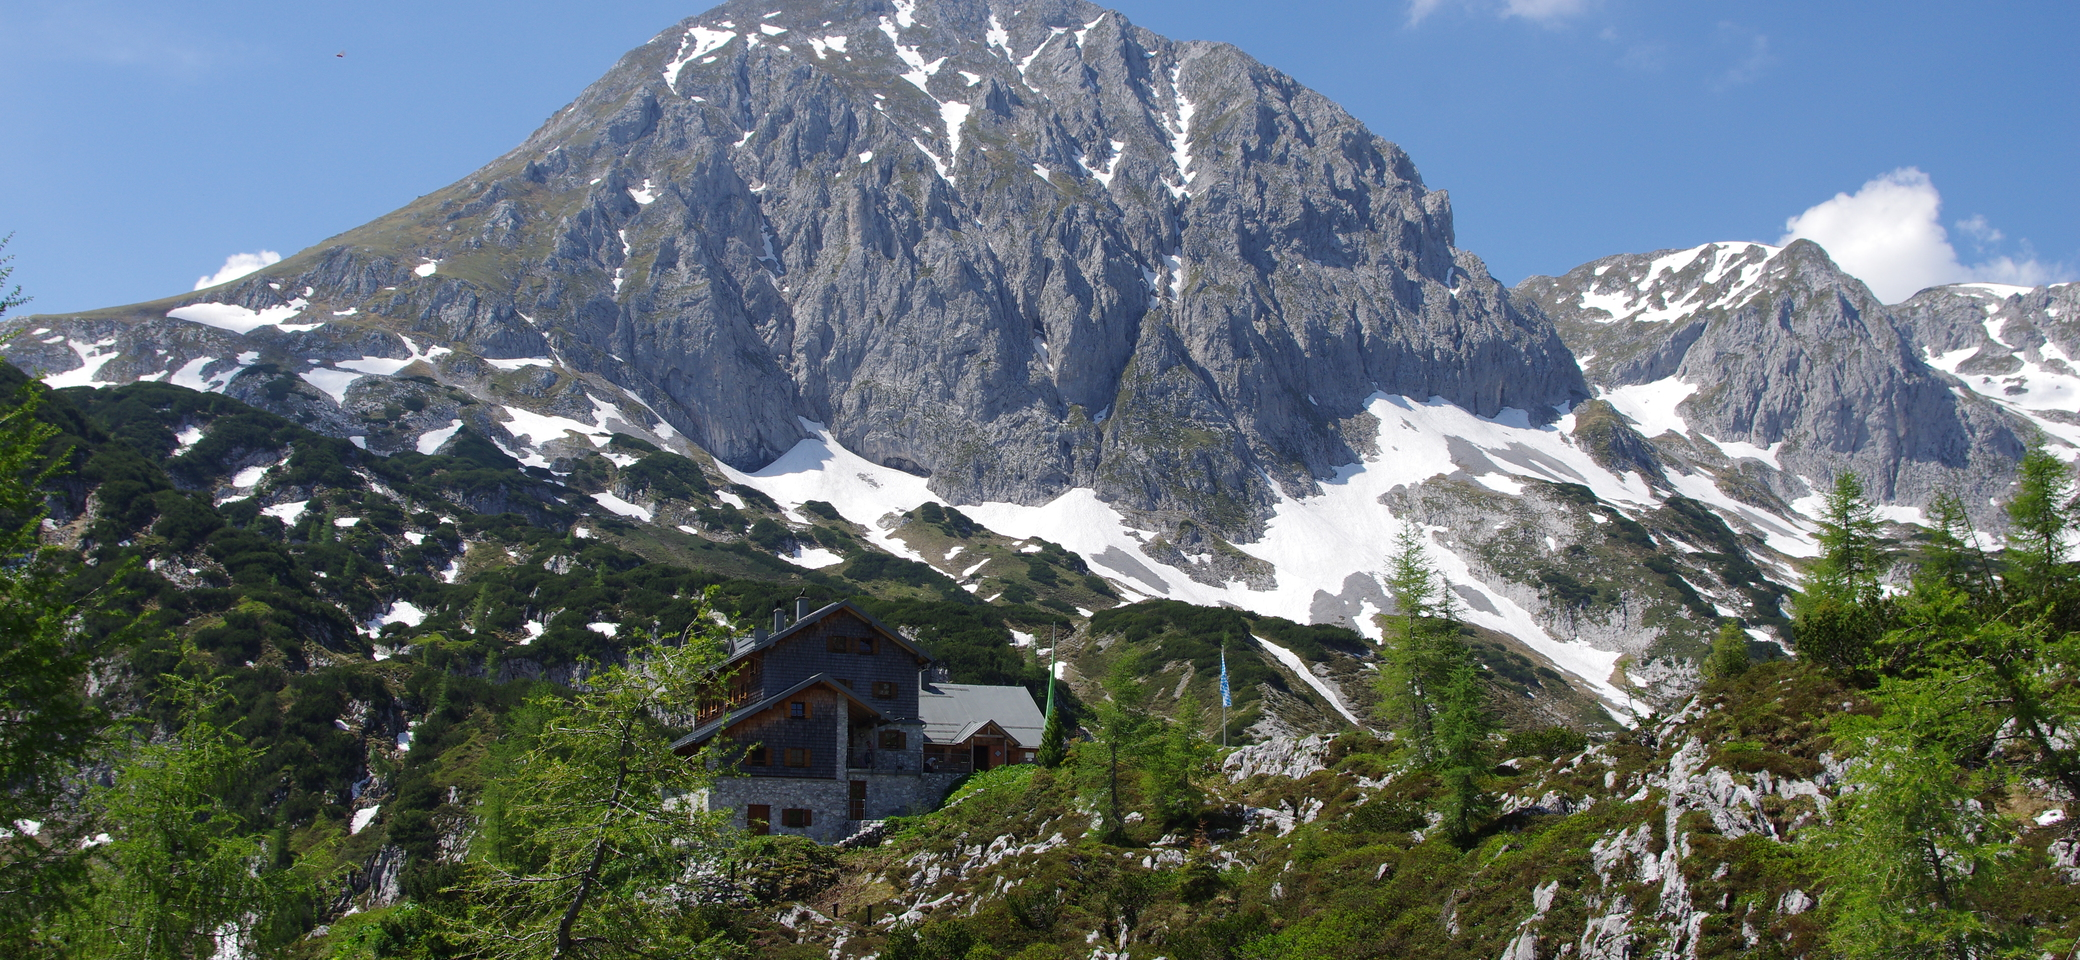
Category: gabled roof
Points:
column 746, row 649
column 730, row 718
column 953, row 712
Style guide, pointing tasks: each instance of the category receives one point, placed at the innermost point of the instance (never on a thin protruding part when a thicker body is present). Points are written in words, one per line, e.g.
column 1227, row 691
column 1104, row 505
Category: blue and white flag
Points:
column 1226, row 701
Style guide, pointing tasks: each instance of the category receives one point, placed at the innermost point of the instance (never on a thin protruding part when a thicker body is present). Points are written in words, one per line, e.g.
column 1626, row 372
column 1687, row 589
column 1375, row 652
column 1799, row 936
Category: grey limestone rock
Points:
column 2012, row 345
column 1783, row 351
column 1019, row 248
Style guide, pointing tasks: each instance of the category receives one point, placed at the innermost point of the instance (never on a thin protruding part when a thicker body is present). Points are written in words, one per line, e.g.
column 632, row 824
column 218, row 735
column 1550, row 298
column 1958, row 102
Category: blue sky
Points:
column 148, row 142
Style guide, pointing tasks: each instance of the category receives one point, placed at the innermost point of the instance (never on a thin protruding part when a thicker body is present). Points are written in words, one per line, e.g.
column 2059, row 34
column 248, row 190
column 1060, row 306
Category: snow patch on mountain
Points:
column 1732, row 271
column 698, row 42
column 92, row 357
column 1300, row 669
column 1315, row 544
column 238, row 319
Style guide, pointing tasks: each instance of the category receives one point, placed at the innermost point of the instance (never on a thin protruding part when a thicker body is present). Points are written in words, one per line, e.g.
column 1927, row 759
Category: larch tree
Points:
column 591, row 847
column 48, row 725
column 1841, row 612
column 1421, row 648
column 179, row 873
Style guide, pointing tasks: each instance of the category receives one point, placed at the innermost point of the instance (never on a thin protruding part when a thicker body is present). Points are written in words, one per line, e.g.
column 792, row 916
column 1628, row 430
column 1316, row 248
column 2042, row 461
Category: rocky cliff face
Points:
column 1775, row 361
column 2012, row 345
column 1016, row 250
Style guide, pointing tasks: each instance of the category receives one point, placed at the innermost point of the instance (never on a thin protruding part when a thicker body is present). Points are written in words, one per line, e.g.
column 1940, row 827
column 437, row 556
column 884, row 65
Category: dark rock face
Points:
column 1018, row 253
column 1781, row 347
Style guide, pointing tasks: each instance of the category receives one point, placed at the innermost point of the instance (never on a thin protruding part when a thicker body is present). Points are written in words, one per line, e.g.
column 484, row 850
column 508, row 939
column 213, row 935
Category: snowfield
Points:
column 1316, row 544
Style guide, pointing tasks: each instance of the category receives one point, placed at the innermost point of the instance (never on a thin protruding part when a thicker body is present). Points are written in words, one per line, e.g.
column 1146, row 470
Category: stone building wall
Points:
column 828, row 801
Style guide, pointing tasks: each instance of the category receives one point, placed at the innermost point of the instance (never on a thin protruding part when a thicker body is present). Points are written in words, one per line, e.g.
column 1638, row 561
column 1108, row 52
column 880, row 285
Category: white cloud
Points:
column 2027, row 272
column 238, row 265
column 1542, row 10
column 1755, row 56
column 1889, row 234
column 1979, row 230
column 1418, row 9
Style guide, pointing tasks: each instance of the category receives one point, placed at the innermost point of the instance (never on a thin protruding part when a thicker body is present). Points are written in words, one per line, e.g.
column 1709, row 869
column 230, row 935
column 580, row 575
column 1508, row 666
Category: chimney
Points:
column 779, row 619
column 758, row 635
column 801, row 609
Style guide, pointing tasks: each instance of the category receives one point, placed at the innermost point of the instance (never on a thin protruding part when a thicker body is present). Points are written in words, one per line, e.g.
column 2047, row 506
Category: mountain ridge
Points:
column 1149, row 300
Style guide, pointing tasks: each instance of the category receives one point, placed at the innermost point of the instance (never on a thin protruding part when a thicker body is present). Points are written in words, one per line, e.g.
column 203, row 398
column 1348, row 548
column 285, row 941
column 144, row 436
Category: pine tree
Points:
column 1054, row 735
column 589, row 844
column 1851, row 559
column 1175, row 760
column 1953, row 558
column 1729, row 656
column 1124, row 726
column 1054, row 741
column 1909, row 849
column 1975, row 685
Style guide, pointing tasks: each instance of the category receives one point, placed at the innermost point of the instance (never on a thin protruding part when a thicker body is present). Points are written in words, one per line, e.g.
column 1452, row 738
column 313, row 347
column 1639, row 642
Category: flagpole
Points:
column 1224, row 691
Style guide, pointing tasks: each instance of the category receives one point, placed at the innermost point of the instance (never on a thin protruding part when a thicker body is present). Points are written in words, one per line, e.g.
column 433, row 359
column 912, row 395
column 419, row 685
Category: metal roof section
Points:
column 692, row 741
column 741, row 647
column 953, row 712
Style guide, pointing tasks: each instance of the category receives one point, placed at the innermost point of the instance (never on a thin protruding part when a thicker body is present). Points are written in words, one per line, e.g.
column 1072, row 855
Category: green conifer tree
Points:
column 1054, row 741
column 1909, row 853
column 1952, row 557
column 1405, row 701
column 1054, row 735
column 1729, row 656
column 1175, row 761
column 589, row 843
column 48, row 725
column 1463, row 756
column 1123, row 728
column 180, row 874
column 2042, row 520
column 1840, row 614
column 1421, row 648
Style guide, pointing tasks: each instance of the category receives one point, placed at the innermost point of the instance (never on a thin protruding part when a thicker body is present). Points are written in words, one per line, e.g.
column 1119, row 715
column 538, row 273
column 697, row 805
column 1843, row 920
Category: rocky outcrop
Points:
column 2014, row 346
column 1017, row 248
column 1776, row 356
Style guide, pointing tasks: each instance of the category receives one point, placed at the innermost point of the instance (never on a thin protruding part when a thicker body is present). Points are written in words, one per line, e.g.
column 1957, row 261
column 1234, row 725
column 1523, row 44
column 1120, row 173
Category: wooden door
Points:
column 859, row 799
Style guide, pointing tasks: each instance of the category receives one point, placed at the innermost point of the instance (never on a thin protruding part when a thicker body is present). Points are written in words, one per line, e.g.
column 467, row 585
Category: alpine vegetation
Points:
column 955, row 479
